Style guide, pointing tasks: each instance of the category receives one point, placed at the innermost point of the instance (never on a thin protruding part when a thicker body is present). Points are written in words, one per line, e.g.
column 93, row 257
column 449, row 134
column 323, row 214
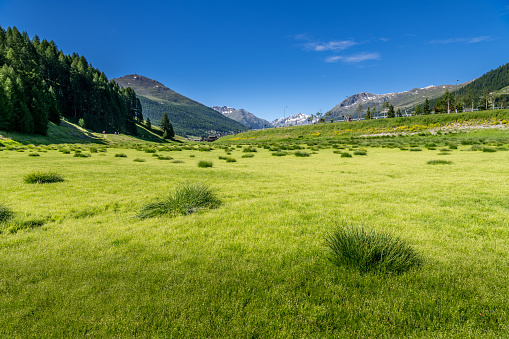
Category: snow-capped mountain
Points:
column 293, row 120
column 244, row 117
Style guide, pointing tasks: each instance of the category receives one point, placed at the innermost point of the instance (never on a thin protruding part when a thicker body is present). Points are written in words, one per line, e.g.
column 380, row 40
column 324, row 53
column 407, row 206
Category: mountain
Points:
column 242, row 116
column 404, row 100
column 293, row 120
column 188, row 117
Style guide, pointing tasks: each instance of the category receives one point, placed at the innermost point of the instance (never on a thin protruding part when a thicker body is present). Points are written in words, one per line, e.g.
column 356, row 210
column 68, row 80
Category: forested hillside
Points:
column 187, row 116
column 482, row 93
column 39, row 83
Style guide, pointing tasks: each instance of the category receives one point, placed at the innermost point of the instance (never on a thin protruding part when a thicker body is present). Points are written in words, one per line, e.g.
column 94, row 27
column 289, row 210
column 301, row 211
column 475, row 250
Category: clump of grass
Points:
column 18, row 225
column 359, row 152
column 82, row 155
column 42, row 178
column 279, row 153
column 249, row 149
column 205, row 149
column 5, row 213
column 370, row 251
column 162, row 157
column 34, row 155
column 489, row 149
column 301, row 154
column 139, row 160
column 204, row 163
column 187, row 198
column 149, row 150
column 120, row 155
column 248, row 155
column 177, row 162
column 415, row 149
column 229, row 159
column 439, row 162
column 345, row 155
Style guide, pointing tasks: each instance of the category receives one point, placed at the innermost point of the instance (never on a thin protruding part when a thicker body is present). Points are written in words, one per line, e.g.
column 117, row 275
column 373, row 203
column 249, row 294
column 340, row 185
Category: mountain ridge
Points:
column 242, row 116
column 188, row 117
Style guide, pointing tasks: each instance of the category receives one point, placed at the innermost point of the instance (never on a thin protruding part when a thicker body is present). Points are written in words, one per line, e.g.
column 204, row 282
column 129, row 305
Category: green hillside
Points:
column 187, row 116
column 413, row 125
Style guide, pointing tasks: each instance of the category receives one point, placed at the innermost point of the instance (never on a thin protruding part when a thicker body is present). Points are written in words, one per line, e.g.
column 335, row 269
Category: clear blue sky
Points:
column 264, row 56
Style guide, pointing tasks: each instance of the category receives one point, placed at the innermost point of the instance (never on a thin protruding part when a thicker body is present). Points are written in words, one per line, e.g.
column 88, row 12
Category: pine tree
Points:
column 148, row 124
column 368, row 114
column 425, row 107
column 165, row 126
column 390, row 113
column 398, row 113
column 418, row 110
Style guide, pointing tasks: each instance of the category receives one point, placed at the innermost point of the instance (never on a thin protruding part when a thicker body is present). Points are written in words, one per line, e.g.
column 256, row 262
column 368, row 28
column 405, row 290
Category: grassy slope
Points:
column 320, row 132
column 257, row 265
column 68, row 133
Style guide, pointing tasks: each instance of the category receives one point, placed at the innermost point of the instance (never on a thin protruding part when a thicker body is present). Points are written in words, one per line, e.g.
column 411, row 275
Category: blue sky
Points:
column 264, row 56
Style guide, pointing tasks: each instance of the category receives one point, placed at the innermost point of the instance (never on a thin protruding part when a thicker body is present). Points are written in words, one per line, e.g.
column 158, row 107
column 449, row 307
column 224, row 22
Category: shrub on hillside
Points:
column 370, row 251
column 187, row 199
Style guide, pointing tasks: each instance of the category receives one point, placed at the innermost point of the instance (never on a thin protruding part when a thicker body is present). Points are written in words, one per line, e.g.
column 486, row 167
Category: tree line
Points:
column 40, row 84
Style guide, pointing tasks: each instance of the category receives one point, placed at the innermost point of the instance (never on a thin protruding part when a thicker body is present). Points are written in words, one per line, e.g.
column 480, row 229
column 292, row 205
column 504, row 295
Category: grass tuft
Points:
column 371, row 251
column 5, row 213
column 42, row 178
column 302, row 154
column 187, row 199
column 439, row 162
column 120, row 155
column 204, row 163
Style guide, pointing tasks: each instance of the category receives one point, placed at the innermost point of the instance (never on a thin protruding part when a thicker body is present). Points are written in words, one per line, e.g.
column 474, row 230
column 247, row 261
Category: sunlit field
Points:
column 77, row 260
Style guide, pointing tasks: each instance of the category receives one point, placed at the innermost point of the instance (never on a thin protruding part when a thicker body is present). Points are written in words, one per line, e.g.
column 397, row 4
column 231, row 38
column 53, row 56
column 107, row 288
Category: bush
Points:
column 415, row 149
column 177, row 162
column 370, row 251
column 249, row 155
column 360, row 153
column 187, row 199
column 34, row 155
column 120, row 155
column 231, row 159
column 139, row 160
column 5, row 213
column 439, row 162
column 346, row 155
column 249, row 149
column 42, row 178
column 204, row 163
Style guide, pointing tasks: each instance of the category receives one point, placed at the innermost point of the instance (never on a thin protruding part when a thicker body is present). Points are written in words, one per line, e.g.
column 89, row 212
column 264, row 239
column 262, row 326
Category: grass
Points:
column 204, row 163
column 187, row 198
column 5, row 213
column 371, row 251
column 257, row 266
column 439, row 162
column 42, row 177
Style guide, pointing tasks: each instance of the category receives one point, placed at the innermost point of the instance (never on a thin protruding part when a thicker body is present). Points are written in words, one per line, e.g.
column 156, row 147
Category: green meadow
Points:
column 76, row 260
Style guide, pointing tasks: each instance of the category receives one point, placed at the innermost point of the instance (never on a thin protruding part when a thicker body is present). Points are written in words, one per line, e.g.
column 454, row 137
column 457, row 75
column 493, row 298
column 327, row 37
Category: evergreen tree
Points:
column 368, row 114
column 148, row 124
column 390, row 113
column 398, row 113
column 425, row 107
column 418, row 110
column 165, row 123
